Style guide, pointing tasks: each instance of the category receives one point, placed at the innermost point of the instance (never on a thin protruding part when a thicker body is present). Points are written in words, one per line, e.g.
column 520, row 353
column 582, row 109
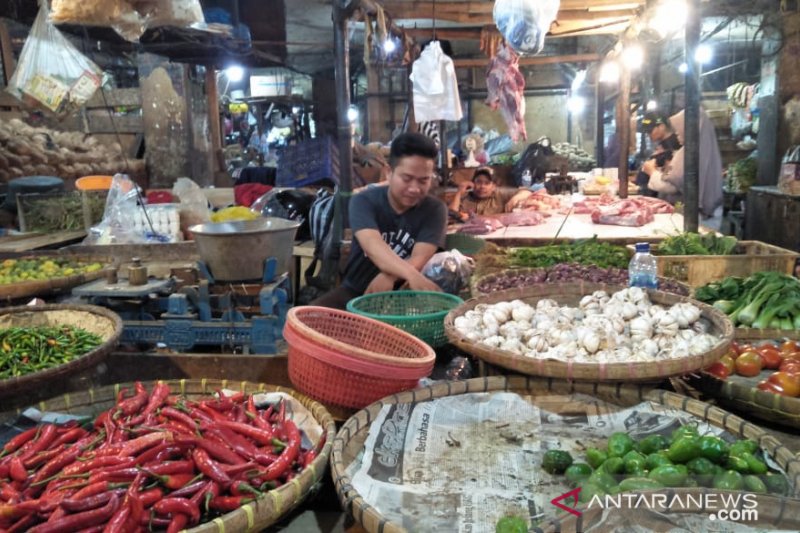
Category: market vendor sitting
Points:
column 397, row 228
column 481, row 196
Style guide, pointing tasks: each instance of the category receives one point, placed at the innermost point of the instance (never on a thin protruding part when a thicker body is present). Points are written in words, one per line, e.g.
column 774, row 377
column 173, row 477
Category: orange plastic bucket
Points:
column 93, row 183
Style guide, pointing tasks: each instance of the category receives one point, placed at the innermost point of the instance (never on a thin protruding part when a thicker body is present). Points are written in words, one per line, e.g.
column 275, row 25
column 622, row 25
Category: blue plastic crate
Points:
column 308, row 162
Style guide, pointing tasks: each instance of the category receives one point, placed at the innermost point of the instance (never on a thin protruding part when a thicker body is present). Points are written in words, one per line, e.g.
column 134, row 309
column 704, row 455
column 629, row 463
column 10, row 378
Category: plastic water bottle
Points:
column 527, row 179
column 643, row 270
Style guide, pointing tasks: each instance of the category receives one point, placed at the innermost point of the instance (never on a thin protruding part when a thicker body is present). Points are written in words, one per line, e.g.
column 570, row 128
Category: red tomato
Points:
column 719, row 370
column 735, row 348
column 729, row 363
column 749, row 364
column 790, row 366
column 770, row 356
column 769, row 387
column 790, row 383
column 790, row 346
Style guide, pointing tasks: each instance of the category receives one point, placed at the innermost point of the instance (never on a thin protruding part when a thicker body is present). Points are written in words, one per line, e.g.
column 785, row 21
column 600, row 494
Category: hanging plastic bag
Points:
column 449, row 270
column 129, row 18
column 435, row 86
column 524, row 23
column 51, row 73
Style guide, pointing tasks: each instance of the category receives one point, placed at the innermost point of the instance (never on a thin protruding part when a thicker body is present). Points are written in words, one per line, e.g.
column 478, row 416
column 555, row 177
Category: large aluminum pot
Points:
column 236, row 251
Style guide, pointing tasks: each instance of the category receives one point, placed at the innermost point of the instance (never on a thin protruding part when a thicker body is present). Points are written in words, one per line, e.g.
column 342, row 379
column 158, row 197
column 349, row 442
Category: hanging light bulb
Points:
column 683, row 68
column 576, row 105
column 704, row 54
column 352, row 114
column 633, row 56
column 652, row 105
column 389, row 45
column 234, row 73
column 609, row 72
column 669, row 17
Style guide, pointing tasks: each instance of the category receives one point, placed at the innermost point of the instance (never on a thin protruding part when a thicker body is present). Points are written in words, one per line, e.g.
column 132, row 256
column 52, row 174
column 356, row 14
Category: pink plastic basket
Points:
column 346, row 359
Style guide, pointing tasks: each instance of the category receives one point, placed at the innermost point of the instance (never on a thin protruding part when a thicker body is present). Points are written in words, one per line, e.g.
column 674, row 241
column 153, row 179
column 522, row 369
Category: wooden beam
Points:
column 480, row 13
column 7, row 52
column 115, row 98
column 530, row 61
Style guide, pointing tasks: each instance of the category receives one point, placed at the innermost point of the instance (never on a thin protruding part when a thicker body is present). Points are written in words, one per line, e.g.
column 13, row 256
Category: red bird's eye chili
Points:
column 208, row 467
column 217, row 450
column 227, row 504
column 188, row 490
column 70, row 436
column 133, row 404
column 15, row 443
column 74, row 522
column 170, row 467
column 288, row 456
column 174, row 506
column 178, row 523
column 42, row 442
column 261, row 436
column 17, row 470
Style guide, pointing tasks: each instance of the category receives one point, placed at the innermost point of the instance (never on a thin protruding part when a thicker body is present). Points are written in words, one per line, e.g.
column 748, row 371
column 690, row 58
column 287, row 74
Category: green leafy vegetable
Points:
column 696, row 244
column 585, row 252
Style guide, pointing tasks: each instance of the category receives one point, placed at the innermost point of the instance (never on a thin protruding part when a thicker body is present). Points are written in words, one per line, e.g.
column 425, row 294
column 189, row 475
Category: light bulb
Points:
column 576, row 105
column 669, row 17
column 234, row 73
column 633, row 56
column 683, row 68
column 389, row 46
column 609, row 72
column 652, row 105
column 704, row 54
column 352, row 114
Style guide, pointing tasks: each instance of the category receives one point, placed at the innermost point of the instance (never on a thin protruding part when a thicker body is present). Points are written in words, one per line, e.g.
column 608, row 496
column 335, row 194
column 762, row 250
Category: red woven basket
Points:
column 349, row 360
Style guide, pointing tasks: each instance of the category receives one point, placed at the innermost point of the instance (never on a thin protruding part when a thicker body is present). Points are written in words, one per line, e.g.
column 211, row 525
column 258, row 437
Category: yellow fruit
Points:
column 602, row 180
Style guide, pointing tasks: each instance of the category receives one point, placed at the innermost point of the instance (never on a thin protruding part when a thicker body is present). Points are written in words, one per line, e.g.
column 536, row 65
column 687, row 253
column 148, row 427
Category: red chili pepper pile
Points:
column 154, row 461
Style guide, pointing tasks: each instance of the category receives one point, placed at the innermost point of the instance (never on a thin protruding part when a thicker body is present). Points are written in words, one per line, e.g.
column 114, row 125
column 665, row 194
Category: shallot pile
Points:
column 623, row 327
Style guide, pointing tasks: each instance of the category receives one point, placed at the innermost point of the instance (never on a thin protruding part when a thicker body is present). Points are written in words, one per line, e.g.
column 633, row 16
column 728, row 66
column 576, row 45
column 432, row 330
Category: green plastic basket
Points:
column 419, row 313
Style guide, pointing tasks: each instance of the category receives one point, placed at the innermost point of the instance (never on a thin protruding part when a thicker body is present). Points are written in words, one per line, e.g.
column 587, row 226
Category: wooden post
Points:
column 600, row 133
column 691, row 134
column 214, row 126
column 376, row 122
column 623, row 128
column 7, row 52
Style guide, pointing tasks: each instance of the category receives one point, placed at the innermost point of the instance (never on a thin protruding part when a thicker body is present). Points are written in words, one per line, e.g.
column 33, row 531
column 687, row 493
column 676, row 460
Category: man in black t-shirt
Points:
column 666, row 142
column 397, row 228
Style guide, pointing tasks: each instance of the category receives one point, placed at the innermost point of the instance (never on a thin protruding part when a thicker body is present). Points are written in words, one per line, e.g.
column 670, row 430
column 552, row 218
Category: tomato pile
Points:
column 750, row 360
column 154, row 461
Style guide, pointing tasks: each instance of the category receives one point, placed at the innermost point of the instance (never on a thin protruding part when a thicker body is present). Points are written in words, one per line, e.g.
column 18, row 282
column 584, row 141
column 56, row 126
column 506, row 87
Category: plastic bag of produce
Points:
column 51, row 73
column 449, row 270
column 524, row 23
column 129, row 18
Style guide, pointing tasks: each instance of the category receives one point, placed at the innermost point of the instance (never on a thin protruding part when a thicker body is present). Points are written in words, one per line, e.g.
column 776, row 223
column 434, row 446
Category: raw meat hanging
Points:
column 505, row 84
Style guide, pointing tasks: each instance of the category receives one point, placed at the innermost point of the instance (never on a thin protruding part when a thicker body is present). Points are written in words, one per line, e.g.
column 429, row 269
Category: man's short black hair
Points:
column 484, row 171
column 410, row 144
column 651, row 120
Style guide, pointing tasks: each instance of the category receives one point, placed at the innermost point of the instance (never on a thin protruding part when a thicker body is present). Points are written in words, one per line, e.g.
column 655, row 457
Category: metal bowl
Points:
column 236, row 251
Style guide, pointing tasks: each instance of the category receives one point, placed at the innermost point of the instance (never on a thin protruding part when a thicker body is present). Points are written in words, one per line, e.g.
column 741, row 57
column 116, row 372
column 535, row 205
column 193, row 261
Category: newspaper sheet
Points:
column 461, row 463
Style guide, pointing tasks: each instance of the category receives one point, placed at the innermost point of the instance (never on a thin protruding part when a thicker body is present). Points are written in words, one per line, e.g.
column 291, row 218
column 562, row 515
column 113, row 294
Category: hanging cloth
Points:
column 368, row 35
column 435, row 86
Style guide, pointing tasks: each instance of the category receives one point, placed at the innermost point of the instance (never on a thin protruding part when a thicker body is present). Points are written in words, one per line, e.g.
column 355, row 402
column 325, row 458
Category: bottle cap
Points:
column 642, row 247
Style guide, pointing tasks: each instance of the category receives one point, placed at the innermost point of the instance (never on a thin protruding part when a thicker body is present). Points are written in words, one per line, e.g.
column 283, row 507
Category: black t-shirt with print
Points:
column 427, row 222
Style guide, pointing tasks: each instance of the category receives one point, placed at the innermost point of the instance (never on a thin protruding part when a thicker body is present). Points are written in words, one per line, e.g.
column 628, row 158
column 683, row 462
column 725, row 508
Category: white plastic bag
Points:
column 435, row 86
column 52, row 73
column 524, row 23
column 129, row 18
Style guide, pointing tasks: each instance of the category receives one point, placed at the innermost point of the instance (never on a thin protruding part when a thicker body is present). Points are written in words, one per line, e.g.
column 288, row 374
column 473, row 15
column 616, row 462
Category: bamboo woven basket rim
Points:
column 760, row 404
column 293, row 321
column 14, row 385
column 476, row 281
column 22, row 289
column 374, row 522
column 636, row 371
column 252, row 516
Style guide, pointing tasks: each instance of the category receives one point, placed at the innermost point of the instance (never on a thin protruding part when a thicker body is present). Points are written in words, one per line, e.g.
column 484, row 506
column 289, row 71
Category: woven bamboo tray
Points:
column 253, row 516
column 570, row 294
column 740, row 393
column 93, row 319
column 351, row 437
column 39, row 287
column 476, row 281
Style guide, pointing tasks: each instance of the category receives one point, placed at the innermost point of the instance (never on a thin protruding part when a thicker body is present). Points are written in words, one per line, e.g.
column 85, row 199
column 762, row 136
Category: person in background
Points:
column 666, row 143
column 668, row 180
column 397, row 228
column 481, row 196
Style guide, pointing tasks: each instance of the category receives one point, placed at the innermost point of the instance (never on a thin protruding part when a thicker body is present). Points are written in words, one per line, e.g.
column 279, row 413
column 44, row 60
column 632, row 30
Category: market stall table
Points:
column 582, row 227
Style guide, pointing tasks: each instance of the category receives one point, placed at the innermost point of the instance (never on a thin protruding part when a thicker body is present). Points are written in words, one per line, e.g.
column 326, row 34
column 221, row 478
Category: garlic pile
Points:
column 623, row 327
